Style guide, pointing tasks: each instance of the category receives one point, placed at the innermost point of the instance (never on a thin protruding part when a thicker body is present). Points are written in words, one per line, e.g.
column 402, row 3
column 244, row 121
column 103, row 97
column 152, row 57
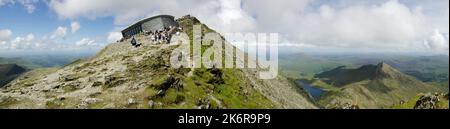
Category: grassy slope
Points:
column 443, row 104
column 232, row 93
column 430, row 69
column 381, row 92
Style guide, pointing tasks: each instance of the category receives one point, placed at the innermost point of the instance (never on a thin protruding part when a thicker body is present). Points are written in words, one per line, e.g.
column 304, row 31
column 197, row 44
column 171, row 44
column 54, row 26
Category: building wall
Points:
column 158, row 23
column 169, row 22
column 151, row 24
column 132, row 31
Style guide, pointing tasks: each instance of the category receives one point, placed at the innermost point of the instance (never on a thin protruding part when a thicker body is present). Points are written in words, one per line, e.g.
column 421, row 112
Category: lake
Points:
column 313, row 91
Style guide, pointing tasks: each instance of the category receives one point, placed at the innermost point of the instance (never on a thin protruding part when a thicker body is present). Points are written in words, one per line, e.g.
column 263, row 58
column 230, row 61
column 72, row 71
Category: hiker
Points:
column 153, row 37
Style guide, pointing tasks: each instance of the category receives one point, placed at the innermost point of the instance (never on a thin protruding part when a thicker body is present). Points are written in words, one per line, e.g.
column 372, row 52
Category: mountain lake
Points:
column 315, row 92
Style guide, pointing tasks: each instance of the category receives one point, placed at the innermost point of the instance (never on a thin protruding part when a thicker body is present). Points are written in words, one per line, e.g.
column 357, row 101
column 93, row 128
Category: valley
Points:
column 354, row 80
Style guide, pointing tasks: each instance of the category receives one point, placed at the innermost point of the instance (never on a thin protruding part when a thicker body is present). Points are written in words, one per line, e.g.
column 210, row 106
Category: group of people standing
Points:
column 159, row 36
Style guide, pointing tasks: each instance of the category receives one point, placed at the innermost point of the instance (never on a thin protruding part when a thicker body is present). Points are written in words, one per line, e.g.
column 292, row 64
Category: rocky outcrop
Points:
column 344, row 106
column 429, row 101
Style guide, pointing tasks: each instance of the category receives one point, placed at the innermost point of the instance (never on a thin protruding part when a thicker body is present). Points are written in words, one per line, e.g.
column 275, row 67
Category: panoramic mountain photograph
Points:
column 224, row 54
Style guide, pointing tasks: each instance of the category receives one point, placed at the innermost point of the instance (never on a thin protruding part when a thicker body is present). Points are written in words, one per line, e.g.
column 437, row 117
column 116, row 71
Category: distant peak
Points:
column 384, row 70
column 383, row 65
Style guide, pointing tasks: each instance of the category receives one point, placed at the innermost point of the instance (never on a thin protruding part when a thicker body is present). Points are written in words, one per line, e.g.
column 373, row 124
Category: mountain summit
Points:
column 384, row 70
column 123, row 76
column 371, row 86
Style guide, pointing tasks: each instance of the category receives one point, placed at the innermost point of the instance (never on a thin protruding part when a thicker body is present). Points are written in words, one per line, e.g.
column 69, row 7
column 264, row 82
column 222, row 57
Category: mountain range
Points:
column 371, row 86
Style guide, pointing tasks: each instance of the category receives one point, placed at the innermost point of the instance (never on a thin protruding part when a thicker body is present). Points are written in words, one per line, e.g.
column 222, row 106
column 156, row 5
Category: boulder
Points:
column 338, row 105
column 92, row 100
column 75, row 85
column 114, row 80
column 203, row 104
column 70, row 77
column 171, row 82
column 97, row 83
column 161, row 93
column 151, row 104
column 132, row 101
column 427, row 101
column 62, row 98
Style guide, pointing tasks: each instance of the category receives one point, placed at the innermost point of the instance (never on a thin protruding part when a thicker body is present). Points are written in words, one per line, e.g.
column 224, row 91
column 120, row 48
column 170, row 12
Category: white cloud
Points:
column 389, row 25
column 379, row 25
column 29, row 5
column 437, row 42
column 86, row 42
column 3, row 2
column 29, row 37
column 30, row 42
column 5, row 34
column 355, row 24
column 223, row 15
column 231, row 18
column 114, row 36
column 99, row 8
column 23, row 43
column 3, row 45
column 75, row 26
column 60, row 32
column 272, row 15
column 46, row 43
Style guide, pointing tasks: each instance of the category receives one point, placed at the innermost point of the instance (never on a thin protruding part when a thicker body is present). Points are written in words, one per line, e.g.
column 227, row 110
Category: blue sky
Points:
column 411, row 26
column 43, row 22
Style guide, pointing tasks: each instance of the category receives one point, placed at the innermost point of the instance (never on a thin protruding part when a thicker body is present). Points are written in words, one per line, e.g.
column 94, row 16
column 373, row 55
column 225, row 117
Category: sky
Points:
column 398, row 26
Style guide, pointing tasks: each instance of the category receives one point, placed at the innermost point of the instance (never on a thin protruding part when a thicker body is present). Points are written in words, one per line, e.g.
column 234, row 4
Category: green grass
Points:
column 54, row 104
column 442, row 104
column 69, row 88
column 6, row 102
column 96, row 106
column 34, row 76
column 232, row 93
column 408, row 104
column 236, row 94
column 171, row 96
column 430, row 69
column 441, row 85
